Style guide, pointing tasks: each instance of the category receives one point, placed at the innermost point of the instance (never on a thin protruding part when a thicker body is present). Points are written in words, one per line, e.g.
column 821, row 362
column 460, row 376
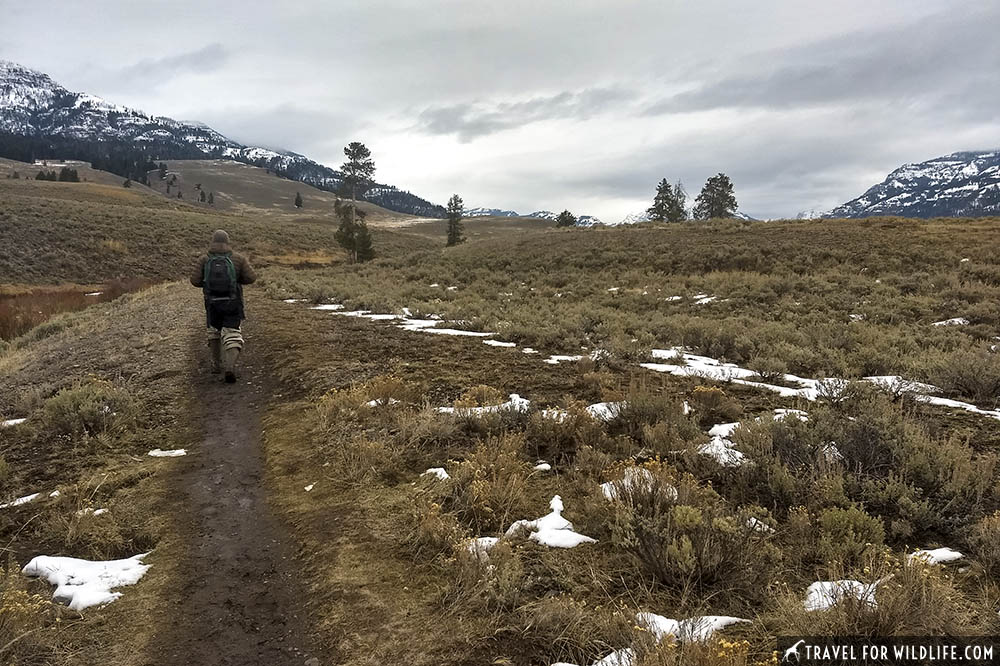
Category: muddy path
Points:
column 238, row 604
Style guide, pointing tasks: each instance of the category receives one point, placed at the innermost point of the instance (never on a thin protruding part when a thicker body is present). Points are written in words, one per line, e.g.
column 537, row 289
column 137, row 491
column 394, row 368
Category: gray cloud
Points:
column 471, row 120
column 926, row 62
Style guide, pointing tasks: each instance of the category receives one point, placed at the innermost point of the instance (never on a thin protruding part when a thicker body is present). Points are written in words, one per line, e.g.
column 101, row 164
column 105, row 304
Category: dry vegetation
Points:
column 390, row 574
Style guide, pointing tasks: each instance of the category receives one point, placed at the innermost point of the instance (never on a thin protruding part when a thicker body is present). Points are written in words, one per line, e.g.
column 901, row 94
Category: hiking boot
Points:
column 215, row 347
column 229, row 358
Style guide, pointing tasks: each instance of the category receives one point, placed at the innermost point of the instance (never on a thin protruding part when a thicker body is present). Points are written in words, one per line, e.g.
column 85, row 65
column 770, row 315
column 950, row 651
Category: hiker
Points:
column 221, row 274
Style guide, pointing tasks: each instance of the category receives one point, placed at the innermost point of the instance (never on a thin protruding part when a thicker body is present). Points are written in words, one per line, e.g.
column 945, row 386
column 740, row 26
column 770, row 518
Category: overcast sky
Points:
column 547, row 104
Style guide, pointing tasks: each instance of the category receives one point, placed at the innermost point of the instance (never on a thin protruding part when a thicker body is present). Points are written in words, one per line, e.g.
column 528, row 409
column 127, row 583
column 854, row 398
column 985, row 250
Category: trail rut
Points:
column 238, row 605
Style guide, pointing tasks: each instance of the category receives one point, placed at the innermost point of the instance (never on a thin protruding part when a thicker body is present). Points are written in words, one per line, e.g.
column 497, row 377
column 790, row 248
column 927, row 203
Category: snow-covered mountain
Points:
column 635, row 218
column 489, row 212
column 812, row 214
column 543, row 215
column 965, row 184
column 588, row 221
column 39, row 116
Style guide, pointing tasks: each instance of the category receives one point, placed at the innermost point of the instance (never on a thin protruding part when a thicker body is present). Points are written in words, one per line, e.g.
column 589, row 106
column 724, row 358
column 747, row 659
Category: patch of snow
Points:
column 19, row 501
column 498, row 343
column 551, row 530
column 758, row 525
column 157, row 453
column 556, row 359
column 481, row 546
column 954, row 321
column 516, row 404
column 695, row 629
column 702, row 299
column 825, row 594
column 791, row 413
column 437, row 472
column 55, row 493
column 936, row 555
column 542, row 466
column 381, row 402
column 297, row 300
column 435, row 285
column 81, row 584
column 529, row 350
column 94, row 293
column 605, row 411
column 309, row 487
column 11, row 422
column 326, row 306
column 671, row 299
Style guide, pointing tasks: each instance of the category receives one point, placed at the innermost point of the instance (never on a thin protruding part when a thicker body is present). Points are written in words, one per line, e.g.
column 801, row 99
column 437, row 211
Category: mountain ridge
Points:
column 38, row 116
column 961, row 184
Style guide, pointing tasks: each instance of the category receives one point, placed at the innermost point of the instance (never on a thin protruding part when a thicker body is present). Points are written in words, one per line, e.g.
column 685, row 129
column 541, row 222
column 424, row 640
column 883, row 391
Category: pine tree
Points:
column 357, row 171
column 211, row 198
column 716, row 199
column 566, row 219
column 363, row 250
column 127, row 183
column 163, row 171
column 298, row 200
column 455, row 210
column 201, row 197
column 662, row 202
column 352, row 233
column 678, row 213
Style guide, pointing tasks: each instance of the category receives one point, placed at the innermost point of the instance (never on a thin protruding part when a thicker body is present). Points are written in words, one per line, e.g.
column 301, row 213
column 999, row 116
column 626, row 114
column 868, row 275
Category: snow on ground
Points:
column 936, row 555
column 704, row 299
column 94, row 293
column 825, row 594
column 542, row 466
column 556, row 359
column 327, row 306
column 605, row 411
column 551, row 530
column 516, row 403
column 480, row 547
column 437, row 472
column 498, row 343
column 529, row 350
column 694, row 629
column 381, row 402
column 808, row 389
column 19, row 501
column 173, row 453
column 296, row 300
column 954, row 321
column 11, row 422
column 81, row 584
column 721, row 447
column 699, row 628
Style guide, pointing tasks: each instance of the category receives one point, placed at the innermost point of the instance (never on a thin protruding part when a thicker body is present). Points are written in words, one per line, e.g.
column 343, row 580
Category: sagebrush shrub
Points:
column 487, row 491
column 685, row 536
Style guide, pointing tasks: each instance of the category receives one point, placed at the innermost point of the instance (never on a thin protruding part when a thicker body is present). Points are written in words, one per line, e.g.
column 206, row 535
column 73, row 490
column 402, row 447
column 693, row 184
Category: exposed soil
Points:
column 238, row 604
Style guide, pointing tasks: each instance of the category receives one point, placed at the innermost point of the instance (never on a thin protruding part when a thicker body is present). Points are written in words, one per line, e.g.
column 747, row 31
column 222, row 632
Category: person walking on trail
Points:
column 221, row 275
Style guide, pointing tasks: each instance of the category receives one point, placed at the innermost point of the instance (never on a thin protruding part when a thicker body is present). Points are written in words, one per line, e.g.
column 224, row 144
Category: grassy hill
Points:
column 250, row 191
column 27, row 171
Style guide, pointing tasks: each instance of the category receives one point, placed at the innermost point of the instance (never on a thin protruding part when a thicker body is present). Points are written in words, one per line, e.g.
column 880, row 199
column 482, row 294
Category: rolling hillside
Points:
column 248, row 190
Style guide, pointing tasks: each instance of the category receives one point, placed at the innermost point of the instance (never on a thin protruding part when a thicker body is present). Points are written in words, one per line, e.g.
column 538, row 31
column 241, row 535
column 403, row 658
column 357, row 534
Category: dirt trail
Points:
column 238, row 605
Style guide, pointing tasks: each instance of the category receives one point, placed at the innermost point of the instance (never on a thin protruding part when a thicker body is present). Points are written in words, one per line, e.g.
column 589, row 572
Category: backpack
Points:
column 220, row 278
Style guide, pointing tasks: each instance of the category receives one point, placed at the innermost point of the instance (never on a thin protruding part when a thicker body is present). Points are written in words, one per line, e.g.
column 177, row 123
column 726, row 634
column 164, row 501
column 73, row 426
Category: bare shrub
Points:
column 487, row 491
column 684, row 535
column 969, row 375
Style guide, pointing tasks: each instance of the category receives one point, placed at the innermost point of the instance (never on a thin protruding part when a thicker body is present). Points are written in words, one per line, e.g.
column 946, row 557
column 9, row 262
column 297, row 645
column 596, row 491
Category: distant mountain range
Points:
column 41, row 119
column 965, row 184
column 582, row 221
